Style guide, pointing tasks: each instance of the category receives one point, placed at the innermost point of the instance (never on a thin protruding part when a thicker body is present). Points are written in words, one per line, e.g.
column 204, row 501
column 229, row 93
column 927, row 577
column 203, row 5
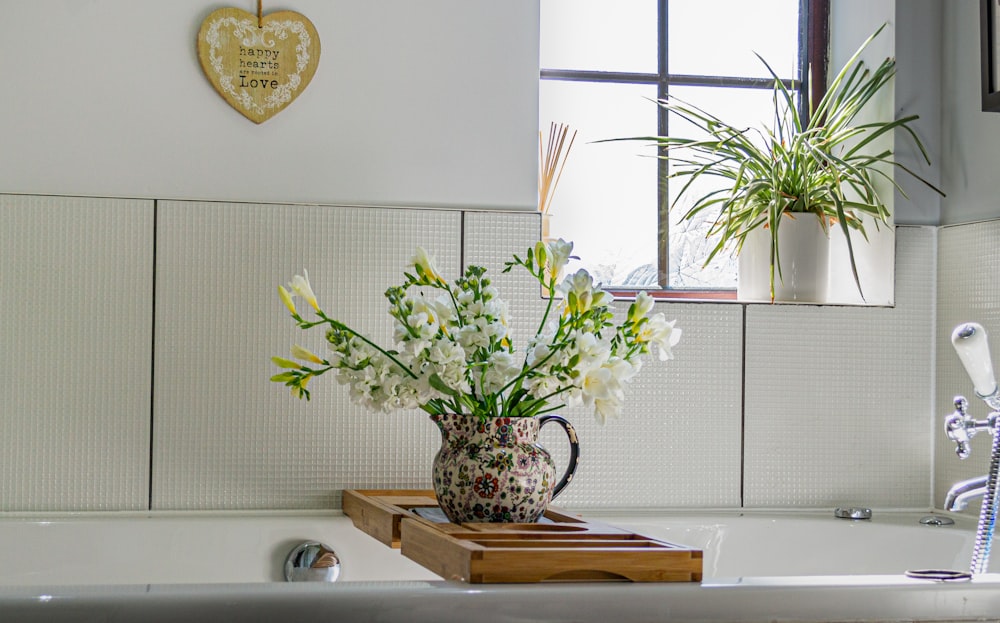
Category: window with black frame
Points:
column 603, row 67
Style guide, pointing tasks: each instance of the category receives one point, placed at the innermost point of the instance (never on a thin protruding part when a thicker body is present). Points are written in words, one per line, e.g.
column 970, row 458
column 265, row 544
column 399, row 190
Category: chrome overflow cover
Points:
column 853, row 512
column 312, row 561
column 937, row 520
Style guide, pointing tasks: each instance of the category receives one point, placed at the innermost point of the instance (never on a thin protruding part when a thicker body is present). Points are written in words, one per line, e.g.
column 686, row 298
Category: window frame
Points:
column 814, row 43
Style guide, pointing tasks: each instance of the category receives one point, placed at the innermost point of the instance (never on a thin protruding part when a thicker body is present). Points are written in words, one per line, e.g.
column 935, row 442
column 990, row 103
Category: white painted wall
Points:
column 918, row 52
column 429, row 103
column 970, row 137
column 851, row 23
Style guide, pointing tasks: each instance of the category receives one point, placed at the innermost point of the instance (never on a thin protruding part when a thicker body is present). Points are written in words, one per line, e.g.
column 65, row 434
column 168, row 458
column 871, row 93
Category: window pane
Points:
column 606, row 199
column 724, row 43
column 599, row 35
column 750, row 108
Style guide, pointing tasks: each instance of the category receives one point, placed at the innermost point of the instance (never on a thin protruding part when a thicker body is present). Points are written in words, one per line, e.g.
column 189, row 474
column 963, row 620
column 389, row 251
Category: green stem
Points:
column 343, row 327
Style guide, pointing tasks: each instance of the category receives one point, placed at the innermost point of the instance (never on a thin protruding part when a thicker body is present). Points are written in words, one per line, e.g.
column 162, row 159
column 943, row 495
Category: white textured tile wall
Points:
column 837, row 405
column 678, row 443
column 225, row 437
column 968, row 270
column 838, row 398
column 75, row 320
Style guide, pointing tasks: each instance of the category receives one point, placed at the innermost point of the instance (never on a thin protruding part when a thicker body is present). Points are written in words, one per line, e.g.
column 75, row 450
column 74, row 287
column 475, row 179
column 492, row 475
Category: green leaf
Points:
column 439, row 385
column 758, row 174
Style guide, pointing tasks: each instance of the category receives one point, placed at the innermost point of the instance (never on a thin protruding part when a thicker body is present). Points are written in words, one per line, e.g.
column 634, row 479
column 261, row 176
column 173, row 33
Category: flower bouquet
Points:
column 455, row 359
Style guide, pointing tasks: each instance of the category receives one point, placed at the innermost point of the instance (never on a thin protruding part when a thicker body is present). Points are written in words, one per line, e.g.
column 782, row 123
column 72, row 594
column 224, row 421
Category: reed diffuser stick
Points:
column 551, row 162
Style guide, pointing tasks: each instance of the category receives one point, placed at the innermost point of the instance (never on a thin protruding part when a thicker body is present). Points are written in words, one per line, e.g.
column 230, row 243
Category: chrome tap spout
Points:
column 961, row 492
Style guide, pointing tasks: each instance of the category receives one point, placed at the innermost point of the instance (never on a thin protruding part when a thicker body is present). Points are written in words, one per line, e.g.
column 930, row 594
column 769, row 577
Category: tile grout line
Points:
column 152, row 362
column 743, row 407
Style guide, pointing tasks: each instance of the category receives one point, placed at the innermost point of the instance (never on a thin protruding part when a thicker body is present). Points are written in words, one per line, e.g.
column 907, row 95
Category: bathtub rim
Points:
column 757, row 598
column 881, row 598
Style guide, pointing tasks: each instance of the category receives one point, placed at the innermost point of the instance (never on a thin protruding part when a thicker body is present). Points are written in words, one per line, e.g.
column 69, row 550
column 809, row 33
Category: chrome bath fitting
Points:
column 970, row 343
column 312, row 561
column 855, row 513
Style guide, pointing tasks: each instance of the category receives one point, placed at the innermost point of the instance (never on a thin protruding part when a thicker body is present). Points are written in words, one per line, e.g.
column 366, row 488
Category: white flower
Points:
column 445, row 312
column 661, row 332
column 623, row 370
column 541, row 386
column 424, row 265
column 431, row 312
column 559, row 252
column 641, row 307
column 443, row 358
column 465, row 297
column 597, row 383
column 603, row 389
column 473, row 336
column 499, row 310
column 591, row 351
column 580, row 292
column 423, row 324
column 501, row 368
column 577, row 283
column 607, row 408
column 538, row 353
column 300, row 287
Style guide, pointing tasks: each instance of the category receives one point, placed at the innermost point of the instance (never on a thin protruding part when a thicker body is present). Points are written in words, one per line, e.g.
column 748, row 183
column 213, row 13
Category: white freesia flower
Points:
column 538, row 353
column 300, row 287
column 591, row 351
column 541, row 386
column 597, row 383
column 578, row 283
column 424, row 265
column 559, row 252
column 465, row 298
column 622, row 370
column 581, row 293
column 661, row 332
column 435, row 313
column 642, row 306
column 608, row 408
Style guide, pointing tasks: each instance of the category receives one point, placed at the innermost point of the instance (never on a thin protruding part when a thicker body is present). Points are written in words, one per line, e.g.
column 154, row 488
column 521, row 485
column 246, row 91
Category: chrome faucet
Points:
column 971, row 345
column 961, row 492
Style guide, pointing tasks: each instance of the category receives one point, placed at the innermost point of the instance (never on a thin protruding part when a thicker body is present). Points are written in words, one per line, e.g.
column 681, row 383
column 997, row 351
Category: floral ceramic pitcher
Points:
column 494, row 471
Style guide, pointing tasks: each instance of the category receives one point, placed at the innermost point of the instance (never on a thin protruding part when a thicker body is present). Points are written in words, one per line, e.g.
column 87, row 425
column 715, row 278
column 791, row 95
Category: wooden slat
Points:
column 566, row 548
column 375, row 513
column 608, row 544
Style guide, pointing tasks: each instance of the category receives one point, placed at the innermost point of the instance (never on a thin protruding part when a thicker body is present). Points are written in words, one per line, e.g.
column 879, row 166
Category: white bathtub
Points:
column 195, row 567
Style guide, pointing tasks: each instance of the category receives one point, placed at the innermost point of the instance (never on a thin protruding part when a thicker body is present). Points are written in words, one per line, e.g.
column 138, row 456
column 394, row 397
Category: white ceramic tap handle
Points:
column 969, row 340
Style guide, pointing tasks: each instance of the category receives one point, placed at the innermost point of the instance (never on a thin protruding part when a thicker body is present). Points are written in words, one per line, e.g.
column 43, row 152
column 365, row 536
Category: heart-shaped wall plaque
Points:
column 258, row 64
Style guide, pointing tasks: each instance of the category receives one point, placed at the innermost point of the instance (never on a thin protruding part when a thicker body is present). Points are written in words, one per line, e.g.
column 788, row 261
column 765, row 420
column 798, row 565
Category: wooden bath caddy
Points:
column 559, row 548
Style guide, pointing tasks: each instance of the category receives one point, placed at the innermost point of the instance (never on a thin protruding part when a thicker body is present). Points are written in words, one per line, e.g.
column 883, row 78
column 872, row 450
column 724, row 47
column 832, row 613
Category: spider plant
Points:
column 825, row 166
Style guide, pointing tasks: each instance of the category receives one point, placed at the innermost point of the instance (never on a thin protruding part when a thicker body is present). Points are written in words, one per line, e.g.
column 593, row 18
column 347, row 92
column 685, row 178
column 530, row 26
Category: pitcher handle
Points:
column 574, row 449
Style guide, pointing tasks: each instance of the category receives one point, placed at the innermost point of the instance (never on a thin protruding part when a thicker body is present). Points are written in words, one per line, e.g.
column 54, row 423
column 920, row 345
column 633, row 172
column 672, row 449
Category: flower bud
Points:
column 286, row 298
column 302, row 353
